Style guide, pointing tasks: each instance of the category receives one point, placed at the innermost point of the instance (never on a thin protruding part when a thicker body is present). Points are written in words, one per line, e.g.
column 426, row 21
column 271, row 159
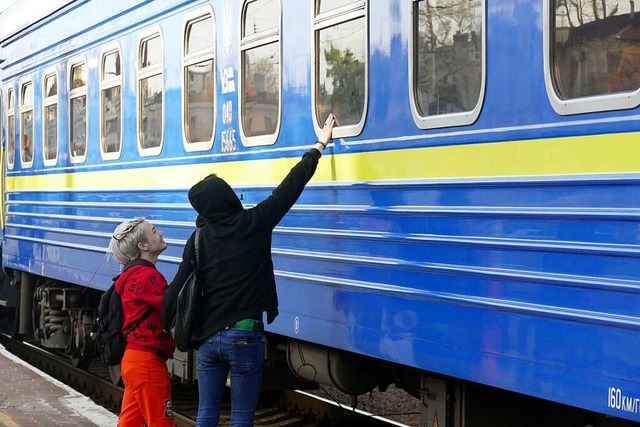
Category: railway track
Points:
column 276, row 409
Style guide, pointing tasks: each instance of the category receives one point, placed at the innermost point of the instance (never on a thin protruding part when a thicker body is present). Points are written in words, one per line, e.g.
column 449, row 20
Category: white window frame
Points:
column 586, row 104
column 194, row 58
column 11, row 112
column 453, row 119
column 25, row 108
column 109, row 83
column 355, row 10
column 46, row 102
column 141, row 74
column 248, row 43
column 75, row 93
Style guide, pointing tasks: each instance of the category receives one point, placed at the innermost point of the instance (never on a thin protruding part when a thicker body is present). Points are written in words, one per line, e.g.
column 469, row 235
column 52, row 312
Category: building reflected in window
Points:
column 595, row 48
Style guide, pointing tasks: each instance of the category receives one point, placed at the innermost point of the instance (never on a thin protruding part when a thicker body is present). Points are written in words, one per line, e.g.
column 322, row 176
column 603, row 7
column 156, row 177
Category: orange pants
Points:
column 147, row 391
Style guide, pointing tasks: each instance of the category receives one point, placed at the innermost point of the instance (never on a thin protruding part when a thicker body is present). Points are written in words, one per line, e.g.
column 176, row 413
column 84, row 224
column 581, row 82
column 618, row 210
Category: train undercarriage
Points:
column 56, row 315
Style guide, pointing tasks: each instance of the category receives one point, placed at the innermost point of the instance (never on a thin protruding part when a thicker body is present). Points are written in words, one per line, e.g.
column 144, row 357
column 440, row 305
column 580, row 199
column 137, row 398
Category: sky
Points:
column 6, row 3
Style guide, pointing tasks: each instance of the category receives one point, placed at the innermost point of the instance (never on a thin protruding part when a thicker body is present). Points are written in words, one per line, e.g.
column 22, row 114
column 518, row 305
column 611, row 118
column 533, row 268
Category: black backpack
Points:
column 107, row 334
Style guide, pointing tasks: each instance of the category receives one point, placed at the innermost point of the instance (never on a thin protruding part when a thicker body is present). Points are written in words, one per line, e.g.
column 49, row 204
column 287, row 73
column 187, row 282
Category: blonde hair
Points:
column 125, row 239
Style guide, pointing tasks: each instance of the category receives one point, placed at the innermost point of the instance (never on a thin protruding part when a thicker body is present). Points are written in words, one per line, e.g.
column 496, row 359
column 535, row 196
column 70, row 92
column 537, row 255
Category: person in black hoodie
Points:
column 238, row 285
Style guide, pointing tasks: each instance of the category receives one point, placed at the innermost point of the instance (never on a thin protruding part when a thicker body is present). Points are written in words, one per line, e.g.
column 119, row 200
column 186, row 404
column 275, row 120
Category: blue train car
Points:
column 476, row 219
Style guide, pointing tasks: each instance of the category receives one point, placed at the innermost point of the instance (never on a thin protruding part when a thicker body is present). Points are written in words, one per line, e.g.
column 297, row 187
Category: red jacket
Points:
column 142, row 286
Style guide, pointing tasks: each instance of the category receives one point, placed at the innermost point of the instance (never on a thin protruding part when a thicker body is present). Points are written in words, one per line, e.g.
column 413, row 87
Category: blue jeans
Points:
column 240, row 353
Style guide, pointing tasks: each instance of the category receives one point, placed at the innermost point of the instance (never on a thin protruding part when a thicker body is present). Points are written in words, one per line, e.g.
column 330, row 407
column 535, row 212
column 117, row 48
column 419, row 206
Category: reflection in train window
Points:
column 11, row 134
column 260, row 67
column 323, row 6
column 150, row 94
column 595, row 48
column 78, row 112
column 199, row 83
column 50, row 118
column 110, row 105
column 26, row 124
column 341, row 64
column 447, row 56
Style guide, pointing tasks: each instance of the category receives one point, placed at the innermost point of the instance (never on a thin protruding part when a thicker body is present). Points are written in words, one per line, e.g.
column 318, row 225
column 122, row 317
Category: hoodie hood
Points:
column 214, row 200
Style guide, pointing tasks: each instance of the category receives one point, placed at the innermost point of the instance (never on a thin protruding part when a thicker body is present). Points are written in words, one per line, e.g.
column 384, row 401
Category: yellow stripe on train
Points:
column 597, row 154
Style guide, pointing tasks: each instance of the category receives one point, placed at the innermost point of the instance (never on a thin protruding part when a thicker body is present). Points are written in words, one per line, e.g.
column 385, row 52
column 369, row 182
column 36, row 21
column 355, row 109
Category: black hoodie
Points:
column 236, row 270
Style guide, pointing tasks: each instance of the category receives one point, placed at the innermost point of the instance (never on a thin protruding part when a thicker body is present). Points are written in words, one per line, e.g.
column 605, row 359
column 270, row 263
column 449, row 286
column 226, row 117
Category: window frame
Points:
column 581, row 105
column 25, row 108
column 194, row 58
column 46, row 102
column 463, row 118
column 247, row 43
column 11, row 113
column 141, row 74
column 2, row 126
column 76, row 93
column 355, row 10
column 109, row 83
column 2, row 166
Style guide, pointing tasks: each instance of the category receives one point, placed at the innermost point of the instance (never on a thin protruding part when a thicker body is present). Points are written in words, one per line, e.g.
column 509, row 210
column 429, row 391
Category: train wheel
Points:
column 80, row 346
column 114, row 373
column 82, row 355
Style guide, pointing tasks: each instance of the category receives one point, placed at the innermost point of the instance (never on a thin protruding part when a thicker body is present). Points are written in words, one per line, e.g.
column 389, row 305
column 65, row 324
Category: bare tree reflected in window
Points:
column 448, row 55
column 595, row 47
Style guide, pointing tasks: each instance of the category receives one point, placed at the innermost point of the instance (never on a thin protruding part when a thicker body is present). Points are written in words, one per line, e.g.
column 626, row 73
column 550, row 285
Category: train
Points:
column 475, row 220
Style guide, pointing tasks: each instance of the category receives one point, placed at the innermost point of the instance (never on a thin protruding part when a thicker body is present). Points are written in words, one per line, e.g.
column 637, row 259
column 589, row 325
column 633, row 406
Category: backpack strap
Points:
column 135, row 262
column 137, row 322
column 196, row 240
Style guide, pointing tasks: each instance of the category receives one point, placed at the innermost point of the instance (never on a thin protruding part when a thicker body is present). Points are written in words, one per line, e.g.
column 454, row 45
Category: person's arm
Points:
column 271, row 210
column 170, row 300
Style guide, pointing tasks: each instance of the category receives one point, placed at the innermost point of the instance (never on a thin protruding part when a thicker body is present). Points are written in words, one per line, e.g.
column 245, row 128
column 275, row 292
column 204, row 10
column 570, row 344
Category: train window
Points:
column 50, row 118
column 150, row 94
column 110, row 104
column 78, row 111
column 323, row 6
column 340, row 34
column 11, row 134
column 260, row 72
column 26, row 123
column 199, row 81
column 592, row 55
column 447, row 62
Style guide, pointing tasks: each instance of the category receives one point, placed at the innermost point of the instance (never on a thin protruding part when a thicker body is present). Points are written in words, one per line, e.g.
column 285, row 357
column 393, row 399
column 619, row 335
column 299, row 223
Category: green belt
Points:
column 246, row 325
